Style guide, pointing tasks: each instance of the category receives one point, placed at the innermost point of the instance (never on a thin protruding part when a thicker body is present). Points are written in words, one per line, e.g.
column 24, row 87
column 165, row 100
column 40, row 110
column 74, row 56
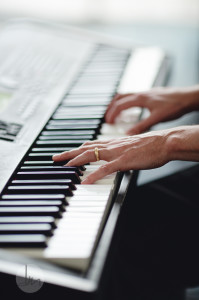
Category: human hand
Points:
column 144, row 151
column 164, row 104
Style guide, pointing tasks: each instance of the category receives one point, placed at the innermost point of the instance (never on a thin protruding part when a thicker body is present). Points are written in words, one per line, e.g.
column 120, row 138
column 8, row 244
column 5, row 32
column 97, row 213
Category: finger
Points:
column 120, row 96
column 116, row 98
column 130, row 101
column 101, row 172
column 143, row 125
column 83, row 158
column 66, row 155
column 96, row 142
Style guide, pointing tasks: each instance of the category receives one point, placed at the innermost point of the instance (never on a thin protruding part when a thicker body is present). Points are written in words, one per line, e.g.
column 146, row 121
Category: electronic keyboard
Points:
column 56, row 83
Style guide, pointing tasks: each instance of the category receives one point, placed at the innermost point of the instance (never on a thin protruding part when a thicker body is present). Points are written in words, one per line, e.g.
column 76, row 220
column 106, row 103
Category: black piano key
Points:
column 77, row 102
column 75, row 122
column 69, row 133
column 49, row 175
column 61, row 143
column 63, row 163
column 38, row 189
column 63, row 117
column 40, row 156
column 8, row 203
column 73, row 127
column 48, row 163
column 85, row 111
column 31, row 211
column 61, row 197
column 52, row 150
column 87, row 103
column 40, row 163
column 23, row 240
column 44, row 229
column 66, row 137
column 80, row 111
column 29, row 220
column 51, row 168
column 84, row 108
column 46, row 182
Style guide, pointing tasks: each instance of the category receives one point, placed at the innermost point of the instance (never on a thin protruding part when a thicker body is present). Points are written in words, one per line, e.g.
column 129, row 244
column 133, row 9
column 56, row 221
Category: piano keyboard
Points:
column 45, row 212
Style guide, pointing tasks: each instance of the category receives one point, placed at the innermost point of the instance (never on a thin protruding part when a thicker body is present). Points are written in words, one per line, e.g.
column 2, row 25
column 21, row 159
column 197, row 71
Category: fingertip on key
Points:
column 85, row 181
column 56, row 156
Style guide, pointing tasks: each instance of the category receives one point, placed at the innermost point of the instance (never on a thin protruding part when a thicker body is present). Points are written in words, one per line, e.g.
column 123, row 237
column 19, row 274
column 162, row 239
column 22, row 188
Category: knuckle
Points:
column 107, row 154
column 118, row 105
column 142, row 97
column 105, row 169
column 84, row 148
column 88, row 152
column 85, row 144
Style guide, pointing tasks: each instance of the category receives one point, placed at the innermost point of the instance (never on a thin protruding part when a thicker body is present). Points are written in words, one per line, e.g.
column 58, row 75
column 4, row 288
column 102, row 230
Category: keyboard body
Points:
column 49, row 76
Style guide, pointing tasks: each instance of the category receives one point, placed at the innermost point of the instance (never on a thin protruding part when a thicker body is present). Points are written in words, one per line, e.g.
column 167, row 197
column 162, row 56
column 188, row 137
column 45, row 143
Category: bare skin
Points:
column 146, row 150
column 164, row 104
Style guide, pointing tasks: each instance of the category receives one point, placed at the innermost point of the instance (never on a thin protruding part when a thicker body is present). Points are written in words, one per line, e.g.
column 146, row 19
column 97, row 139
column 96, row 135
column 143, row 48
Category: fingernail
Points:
column 130, row 132
column 56, row 155
column 85, row 181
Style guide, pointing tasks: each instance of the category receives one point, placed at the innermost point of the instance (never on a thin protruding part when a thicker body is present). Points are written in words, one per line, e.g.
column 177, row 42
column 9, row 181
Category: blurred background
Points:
column 105, row 11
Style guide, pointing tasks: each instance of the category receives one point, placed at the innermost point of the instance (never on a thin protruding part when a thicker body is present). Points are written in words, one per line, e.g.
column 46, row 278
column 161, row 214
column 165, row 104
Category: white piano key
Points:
column 76, row 198
column 86, row 209
column 112, row 130
column 77, row 226
column 73, row 226
column 109, row 179
column 92, row 190
column 80, row 233
column 61, row 255
column 63, row 236
column 80, row 219
column 71, row 250
column 80, row 215
column 93, row 203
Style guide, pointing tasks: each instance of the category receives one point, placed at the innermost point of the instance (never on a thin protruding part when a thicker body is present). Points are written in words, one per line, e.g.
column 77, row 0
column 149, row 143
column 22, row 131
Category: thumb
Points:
column 142, row 126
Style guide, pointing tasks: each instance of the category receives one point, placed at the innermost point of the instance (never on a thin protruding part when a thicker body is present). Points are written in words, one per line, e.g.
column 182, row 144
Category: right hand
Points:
column 164, row 104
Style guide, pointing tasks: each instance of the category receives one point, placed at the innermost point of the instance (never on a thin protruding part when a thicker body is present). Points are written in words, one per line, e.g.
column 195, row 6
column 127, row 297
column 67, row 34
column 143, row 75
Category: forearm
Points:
column 191, row 99
column 183, row 143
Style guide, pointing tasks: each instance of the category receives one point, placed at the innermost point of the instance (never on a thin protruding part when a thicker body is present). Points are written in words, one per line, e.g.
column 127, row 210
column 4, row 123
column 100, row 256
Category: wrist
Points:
column 191, row 102
column 182, row 143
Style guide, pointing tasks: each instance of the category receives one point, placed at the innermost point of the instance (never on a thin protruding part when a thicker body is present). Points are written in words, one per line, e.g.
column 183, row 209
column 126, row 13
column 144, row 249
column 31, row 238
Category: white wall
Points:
column 109, row 11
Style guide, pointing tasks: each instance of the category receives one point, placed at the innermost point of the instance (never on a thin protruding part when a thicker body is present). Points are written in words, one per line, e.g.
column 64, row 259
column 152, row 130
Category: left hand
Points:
column 143, row 151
